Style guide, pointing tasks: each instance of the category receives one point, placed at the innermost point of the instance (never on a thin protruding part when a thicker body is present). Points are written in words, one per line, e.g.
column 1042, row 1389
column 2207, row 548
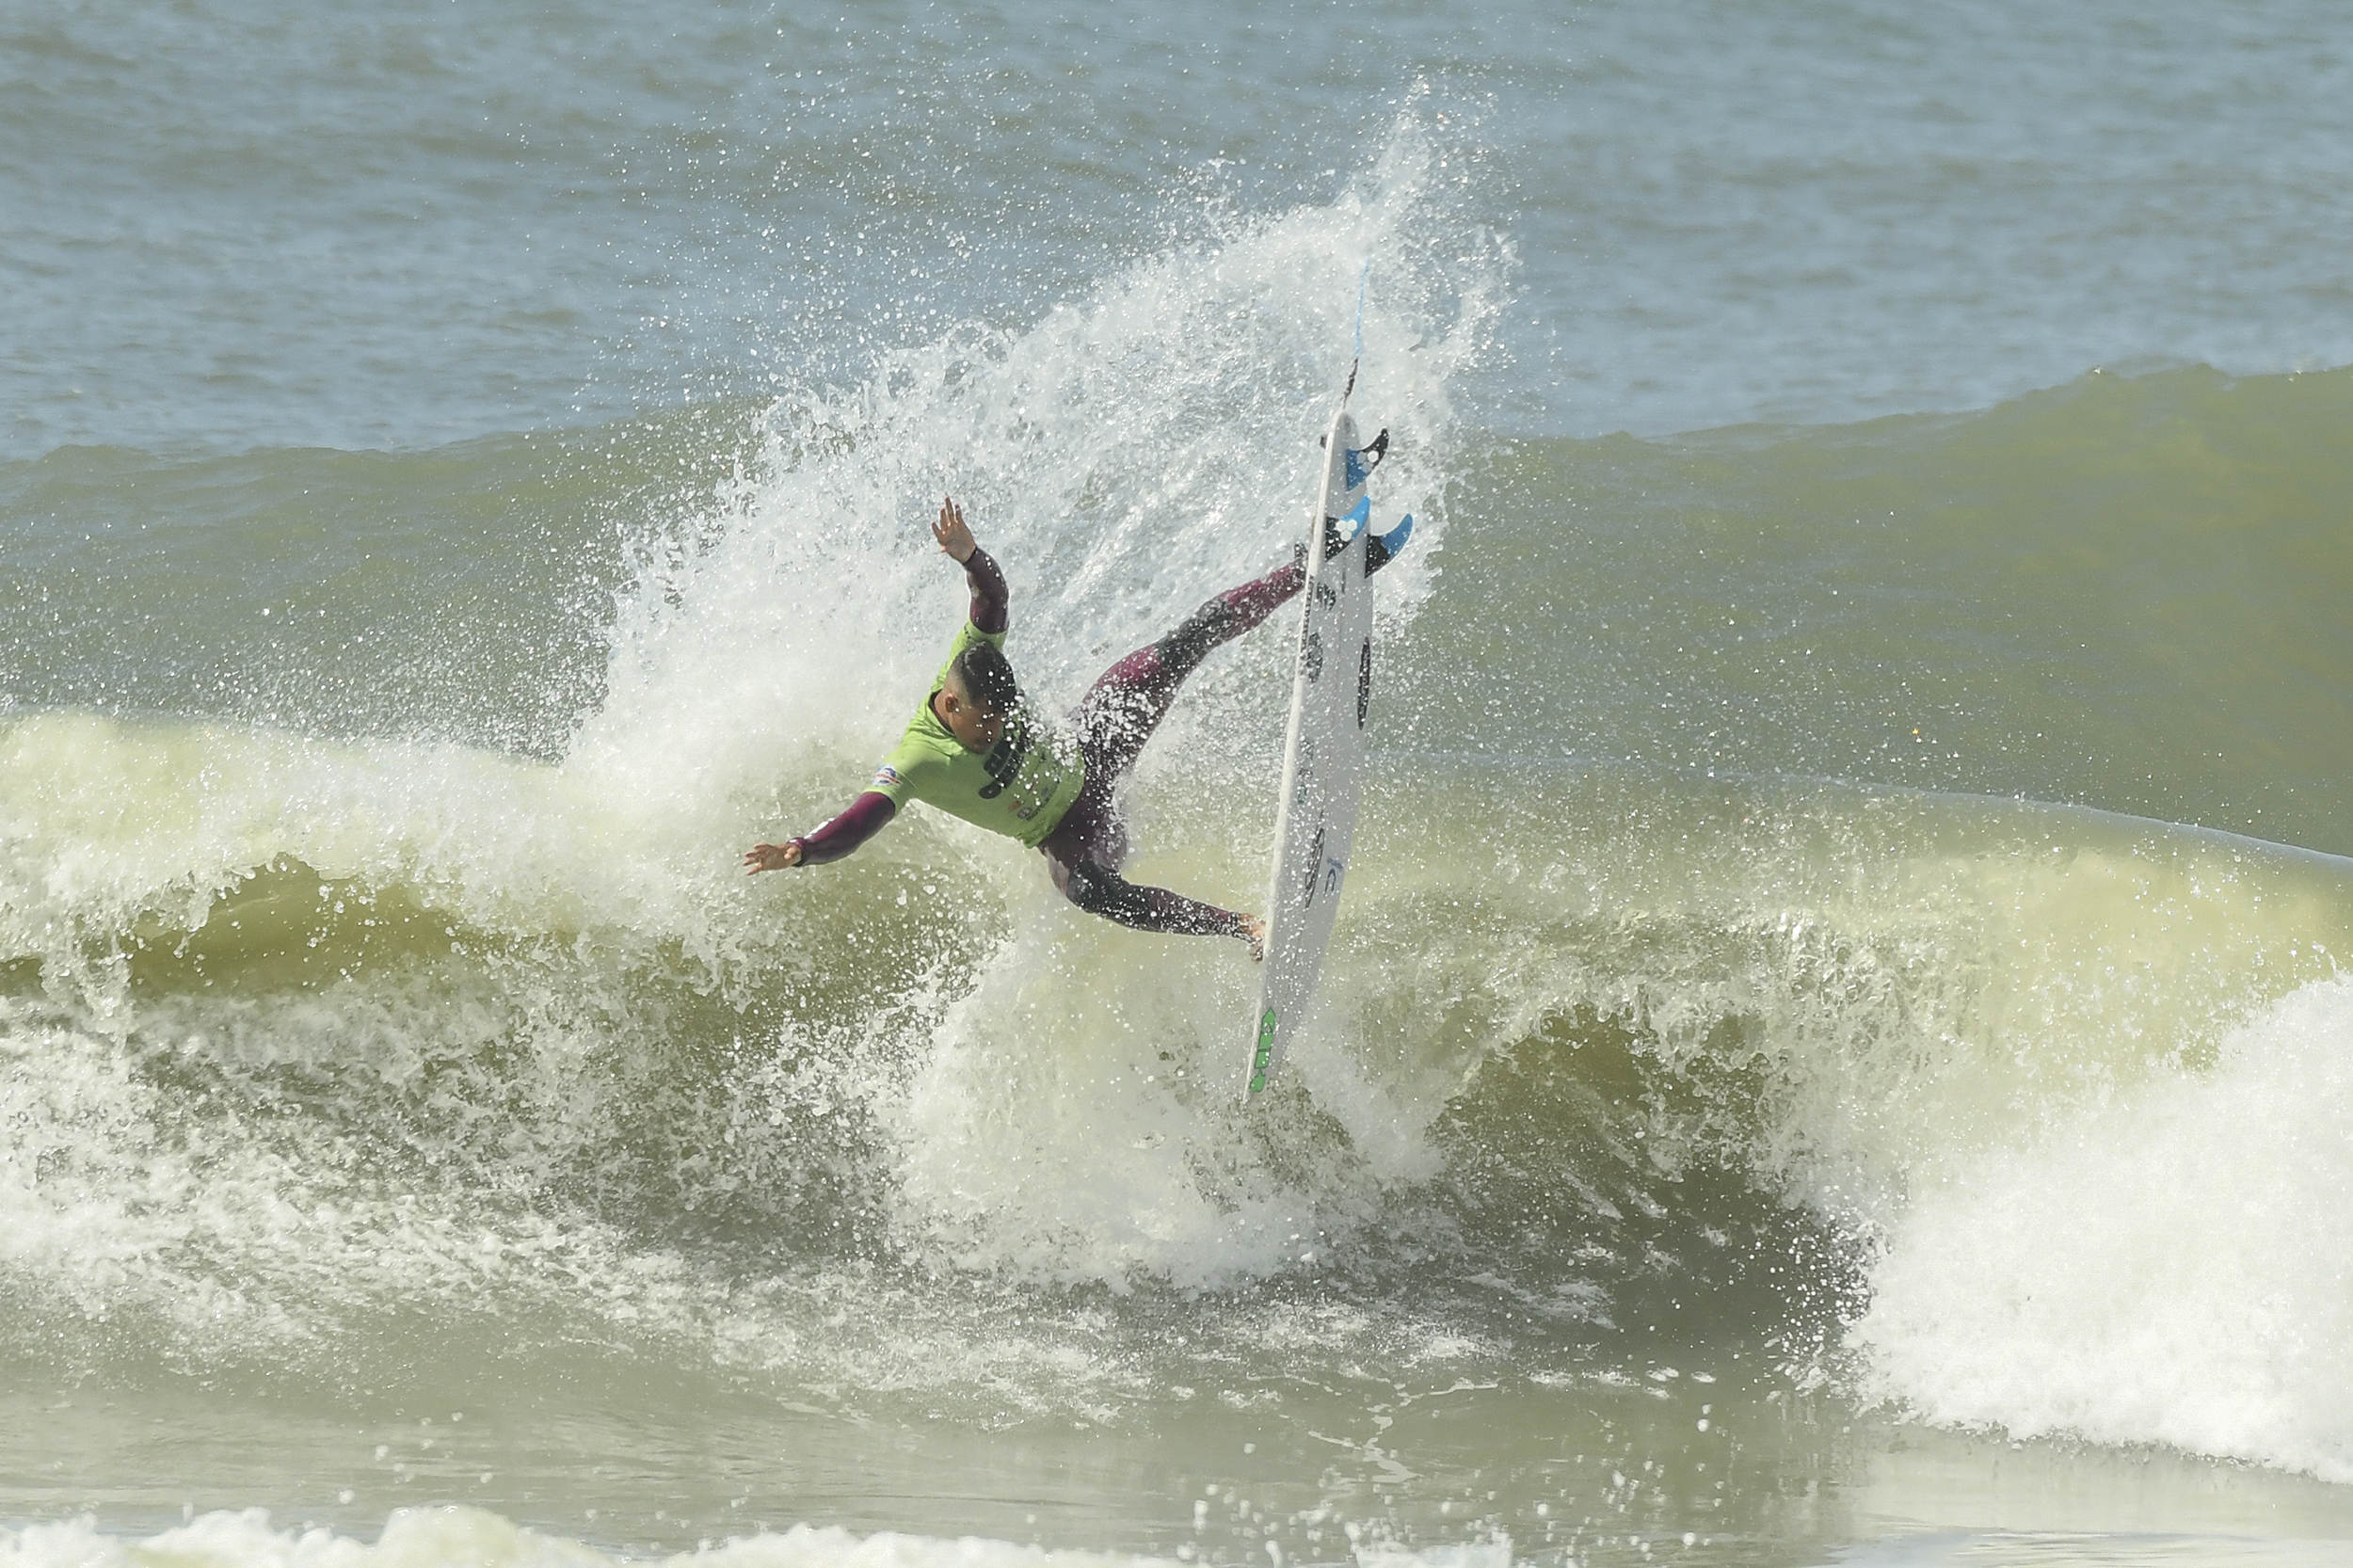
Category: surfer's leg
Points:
column 1084, row 855
column 1090, row 833
column 1103, row 893
column 1121, row 709
column 1226, row 616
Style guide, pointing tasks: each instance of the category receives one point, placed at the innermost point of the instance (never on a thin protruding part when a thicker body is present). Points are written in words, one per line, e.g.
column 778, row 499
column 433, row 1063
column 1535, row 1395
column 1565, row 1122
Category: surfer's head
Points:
column 976, row 696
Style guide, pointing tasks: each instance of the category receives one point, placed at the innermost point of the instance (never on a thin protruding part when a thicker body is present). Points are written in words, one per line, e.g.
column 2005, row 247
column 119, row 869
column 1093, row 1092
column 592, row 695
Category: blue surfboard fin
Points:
column 1381, row 548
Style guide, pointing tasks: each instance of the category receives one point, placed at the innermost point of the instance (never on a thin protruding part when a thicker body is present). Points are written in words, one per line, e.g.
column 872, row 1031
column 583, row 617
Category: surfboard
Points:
column 1324, row 750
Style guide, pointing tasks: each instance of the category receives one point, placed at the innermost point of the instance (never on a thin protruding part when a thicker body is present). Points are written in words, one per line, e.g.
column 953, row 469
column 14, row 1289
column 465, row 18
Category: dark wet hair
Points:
column 985, row 676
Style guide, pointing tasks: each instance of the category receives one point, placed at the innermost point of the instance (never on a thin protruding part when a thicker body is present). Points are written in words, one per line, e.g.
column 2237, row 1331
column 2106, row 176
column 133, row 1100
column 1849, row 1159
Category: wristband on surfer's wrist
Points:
column 800, row 853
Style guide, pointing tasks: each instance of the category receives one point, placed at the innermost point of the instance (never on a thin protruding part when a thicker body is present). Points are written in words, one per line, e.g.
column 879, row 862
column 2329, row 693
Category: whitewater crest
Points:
column 432, row 1537
column 2163, row 1263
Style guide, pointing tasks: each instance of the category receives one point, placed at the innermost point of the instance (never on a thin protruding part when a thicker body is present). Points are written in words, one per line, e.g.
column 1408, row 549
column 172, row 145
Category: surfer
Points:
column 975, row 751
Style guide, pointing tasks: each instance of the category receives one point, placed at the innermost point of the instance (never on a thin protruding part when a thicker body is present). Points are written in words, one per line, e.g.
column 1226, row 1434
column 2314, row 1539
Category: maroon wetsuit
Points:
column 1113, row 721
column 1111, row 725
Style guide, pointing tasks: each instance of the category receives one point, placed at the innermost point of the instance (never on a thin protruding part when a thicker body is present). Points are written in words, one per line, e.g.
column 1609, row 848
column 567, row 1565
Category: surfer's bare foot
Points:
column 1254, row 932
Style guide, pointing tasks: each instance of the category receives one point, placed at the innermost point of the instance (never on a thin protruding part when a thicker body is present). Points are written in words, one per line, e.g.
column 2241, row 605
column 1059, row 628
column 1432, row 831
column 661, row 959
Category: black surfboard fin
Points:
column 1378, row 450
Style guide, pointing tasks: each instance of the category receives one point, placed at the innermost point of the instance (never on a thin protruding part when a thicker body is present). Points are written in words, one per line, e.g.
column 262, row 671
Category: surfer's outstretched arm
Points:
column 858, row 821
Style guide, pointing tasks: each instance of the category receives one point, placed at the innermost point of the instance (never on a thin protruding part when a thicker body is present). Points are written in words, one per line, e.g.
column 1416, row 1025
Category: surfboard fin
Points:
column 1378, row 448
column 1359, row 518
column 1382, row 548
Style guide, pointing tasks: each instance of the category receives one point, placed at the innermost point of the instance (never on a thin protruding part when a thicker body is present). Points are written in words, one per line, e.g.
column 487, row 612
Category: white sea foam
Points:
column 2168, row 1264
column 458, row 1537
column 475, row 1537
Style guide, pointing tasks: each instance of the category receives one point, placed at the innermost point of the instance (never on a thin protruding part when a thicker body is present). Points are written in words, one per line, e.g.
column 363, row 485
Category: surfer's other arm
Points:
column 990, row 601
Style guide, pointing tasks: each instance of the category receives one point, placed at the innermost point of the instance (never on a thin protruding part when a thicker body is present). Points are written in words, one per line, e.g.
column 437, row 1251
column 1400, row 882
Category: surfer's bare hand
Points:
column 1254, row 932
column 953, row 536
column 770, row 858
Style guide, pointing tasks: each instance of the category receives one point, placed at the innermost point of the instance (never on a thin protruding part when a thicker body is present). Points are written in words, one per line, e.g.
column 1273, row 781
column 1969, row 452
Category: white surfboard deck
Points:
column 1324, row 759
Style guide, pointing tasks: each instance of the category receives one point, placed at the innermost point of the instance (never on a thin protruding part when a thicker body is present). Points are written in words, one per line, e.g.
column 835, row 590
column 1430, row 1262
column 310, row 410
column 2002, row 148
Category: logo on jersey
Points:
column 886, row 777
column 1004, row 763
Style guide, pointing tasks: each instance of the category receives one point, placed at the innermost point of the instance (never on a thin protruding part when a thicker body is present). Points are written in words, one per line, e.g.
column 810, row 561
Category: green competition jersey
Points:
column 1020, row 787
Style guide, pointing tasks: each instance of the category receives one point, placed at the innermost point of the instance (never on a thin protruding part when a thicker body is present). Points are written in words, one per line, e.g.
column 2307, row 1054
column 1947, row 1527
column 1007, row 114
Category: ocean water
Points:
column 1837, row 1051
